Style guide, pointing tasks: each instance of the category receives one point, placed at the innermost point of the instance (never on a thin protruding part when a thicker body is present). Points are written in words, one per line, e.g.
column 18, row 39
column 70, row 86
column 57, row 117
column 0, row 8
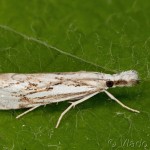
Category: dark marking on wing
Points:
column 120, row 82
column 25, row 99
column 49, row 88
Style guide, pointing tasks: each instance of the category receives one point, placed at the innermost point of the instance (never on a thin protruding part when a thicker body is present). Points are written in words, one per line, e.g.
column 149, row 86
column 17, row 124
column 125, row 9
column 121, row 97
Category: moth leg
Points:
column 112, row 97
column 22, row 114
column 73, row 104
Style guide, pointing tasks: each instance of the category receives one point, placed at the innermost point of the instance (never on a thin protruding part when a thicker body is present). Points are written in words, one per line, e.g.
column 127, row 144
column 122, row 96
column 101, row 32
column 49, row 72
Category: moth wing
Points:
column 28, row 90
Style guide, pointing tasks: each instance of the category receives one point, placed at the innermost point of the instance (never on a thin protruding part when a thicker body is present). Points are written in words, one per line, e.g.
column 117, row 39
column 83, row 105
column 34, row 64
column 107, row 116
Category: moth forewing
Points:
column 27, row 90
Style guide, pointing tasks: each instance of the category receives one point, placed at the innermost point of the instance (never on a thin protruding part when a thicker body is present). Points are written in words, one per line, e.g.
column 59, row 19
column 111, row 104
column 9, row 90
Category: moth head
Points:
column 127, row 78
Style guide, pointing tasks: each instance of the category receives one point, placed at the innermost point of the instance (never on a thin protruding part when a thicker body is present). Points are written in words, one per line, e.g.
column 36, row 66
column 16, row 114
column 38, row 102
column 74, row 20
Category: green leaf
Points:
column 58, row 36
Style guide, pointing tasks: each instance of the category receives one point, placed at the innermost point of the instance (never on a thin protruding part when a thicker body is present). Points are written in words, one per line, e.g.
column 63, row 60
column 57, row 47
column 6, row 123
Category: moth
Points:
column 33, row 90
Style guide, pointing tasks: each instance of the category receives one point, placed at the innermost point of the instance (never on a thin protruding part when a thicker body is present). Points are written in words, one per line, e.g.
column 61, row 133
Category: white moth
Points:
column 33, row 90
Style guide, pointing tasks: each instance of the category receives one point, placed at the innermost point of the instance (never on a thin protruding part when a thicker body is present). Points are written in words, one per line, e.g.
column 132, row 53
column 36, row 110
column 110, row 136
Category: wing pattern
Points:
column 28, row 90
